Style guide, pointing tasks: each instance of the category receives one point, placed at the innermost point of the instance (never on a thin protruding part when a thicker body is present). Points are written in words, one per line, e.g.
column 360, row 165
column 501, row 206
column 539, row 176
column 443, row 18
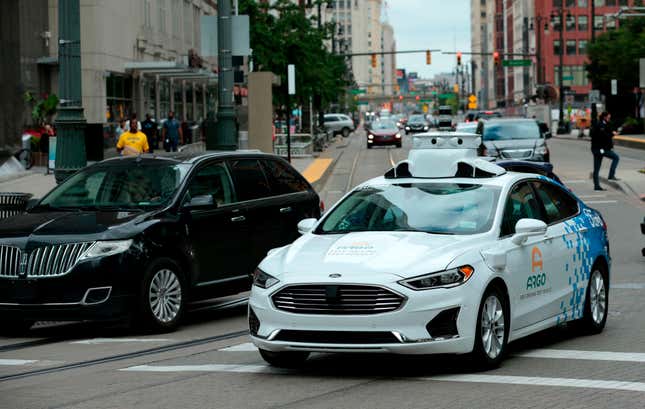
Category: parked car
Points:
column 487, row 115
column 417, row 123
column 339, row 124
column 444, row 123
column 470, row 127
column 148, row 237
column 513, row 138
column 384, row 132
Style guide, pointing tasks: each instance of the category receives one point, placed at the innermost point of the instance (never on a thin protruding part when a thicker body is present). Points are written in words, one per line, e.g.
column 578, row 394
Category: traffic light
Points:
column 496, row 58
column 428, row 57
column 400, row 97
column 417, row 97
column 459, row 58
column 373, row 60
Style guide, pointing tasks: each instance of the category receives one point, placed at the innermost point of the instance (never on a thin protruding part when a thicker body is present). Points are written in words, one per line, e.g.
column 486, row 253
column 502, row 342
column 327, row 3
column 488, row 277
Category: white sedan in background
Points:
column 457, row 258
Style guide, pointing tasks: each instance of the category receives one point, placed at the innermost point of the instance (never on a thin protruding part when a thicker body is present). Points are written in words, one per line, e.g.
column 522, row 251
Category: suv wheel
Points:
column 596, row 303
column 162, row 296
column 491, row 335
column 345, row 132
column 289, row 359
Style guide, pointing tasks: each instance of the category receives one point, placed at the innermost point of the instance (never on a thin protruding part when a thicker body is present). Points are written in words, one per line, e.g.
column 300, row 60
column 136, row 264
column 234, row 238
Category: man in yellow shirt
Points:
column 132, row 142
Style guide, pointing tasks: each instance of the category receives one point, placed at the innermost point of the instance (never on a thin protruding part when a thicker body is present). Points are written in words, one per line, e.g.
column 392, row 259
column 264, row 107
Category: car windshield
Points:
column 384, row 125
column 417, row 118
column 437, row 208
column 128, row 185
column 509, row 130
column 467, row 127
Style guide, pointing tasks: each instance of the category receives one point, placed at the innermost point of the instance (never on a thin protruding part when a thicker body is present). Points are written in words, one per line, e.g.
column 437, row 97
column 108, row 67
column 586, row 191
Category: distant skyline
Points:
column 430, row 24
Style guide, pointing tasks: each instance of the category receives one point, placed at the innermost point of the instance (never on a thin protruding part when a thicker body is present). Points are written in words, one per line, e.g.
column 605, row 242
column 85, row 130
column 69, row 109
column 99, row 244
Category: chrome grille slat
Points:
column 45, row 261
column 337, row 299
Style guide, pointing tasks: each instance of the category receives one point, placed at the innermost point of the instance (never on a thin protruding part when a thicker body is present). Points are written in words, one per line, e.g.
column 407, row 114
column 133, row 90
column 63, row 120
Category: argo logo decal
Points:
column 538, row 278
column 536, row 259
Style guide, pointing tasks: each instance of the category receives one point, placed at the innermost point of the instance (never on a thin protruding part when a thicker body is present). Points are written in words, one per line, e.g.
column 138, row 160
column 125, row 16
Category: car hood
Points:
column 417, row 124
column 72, row 226
column 364, row 255
column 384, row 132
column 514, row 144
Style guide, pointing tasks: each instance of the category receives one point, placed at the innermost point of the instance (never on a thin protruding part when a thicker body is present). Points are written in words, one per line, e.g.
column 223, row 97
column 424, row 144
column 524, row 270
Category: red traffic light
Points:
column 496, row 57
column 400, row 97
column 459, row 58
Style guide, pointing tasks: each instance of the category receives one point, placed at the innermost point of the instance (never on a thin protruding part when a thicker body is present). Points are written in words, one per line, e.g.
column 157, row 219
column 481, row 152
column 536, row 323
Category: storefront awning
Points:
column 169, row 70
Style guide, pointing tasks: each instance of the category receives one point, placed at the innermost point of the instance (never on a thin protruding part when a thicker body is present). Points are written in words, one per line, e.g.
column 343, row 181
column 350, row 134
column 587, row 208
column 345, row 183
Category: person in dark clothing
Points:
column 149, row 127
column 602, row 145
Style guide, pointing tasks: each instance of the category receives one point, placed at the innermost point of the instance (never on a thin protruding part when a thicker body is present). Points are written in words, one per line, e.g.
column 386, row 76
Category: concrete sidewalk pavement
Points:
column 629, row 141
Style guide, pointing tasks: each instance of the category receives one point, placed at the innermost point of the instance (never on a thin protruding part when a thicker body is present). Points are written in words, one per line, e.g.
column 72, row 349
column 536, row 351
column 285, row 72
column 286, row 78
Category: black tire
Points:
column 482, row 354
column 593, row 321
column 14, row 328
column 25, row 156
column 369, row 146
column 165, row 272
column 345, row 132
column 398, row 145
column 290, row 359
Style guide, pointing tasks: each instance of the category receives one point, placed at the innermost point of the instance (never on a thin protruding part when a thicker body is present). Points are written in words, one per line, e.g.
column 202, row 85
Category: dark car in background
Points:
column 146, row 237
column 513, row 138
column 417, row 123
column 384, row 132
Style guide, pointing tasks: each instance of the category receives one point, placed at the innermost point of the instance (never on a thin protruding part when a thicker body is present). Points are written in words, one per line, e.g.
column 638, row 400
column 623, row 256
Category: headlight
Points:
column 398, row 136
column 407, row 128
column 263, row 280
column 370, row 136
column 425, row 128
column 106, row 248
column 444, row 279
column 541, row 150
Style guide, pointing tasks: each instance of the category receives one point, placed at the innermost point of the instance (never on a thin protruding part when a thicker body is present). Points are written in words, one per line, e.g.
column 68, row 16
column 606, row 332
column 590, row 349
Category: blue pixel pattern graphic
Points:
column 586, row 240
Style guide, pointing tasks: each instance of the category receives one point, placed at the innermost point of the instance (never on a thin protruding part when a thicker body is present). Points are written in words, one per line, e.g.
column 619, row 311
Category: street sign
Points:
column 291, row 79
column 614, row 87
column 425, row 108
column 472, row 105
column 434, row 92
column 450, row 95
column 362, row 103
column 472, row 99
column 516, row 63
column 567, row 78
column 357, row 91
column 426, row 101
column 594, row 96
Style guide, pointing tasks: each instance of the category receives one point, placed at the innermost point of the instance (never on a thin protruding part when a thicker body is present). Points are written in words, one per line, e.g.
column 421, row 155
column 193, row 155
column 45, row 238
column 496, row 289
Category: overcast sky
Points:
column 430, row 24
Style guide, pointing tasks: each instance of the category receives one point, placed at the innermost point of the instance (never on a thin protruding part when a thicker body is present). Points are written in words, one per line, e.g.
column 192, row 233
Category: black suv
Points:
column 149, row 236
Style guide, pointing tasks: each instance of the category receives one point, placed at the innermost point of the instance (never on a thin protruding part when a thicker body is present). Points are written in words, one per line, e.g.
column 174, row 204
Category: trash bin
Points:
column 12, row 204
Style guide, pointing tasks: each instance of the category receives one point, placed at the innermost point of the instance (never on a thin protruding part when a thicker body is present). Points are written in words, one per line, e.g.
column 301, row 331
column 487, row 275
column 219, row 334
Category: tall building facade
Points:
column 388, row 62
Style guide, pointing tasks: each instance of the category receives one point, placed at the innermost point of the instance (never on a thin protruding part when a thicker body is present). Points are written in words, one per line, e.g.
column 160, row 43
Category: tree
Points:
column 615, row 55
column 281, row 34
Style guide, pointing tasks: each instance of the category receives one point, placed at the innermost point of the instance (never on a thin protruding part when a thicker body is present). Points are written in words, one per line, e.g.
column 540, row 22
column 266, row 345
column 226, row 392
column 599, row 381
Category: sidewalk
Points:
column 628, row 141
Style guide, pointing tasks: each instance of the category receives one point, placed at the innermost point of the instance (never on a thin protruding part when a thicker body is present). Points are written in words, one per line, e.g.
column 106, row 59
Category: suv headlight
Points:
column 541, row 150
column 106, row 248
column 443, row 279
column 264, row 280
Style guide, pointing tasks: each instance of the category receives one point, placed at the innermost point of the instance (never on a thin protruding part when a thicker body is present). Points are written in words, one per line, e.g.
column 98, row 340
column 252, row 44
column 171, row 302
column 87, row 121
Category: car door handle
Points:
column 238, row 219
column 286, row 210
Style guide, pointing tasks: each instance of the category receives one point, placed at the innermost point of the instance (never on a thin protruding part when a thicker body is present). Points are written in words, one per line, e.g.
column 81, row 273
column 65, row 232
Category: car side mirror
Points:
column 306, row 225
column 31, row 203
column 525, row 228
column 200, row 202
column 547, row 135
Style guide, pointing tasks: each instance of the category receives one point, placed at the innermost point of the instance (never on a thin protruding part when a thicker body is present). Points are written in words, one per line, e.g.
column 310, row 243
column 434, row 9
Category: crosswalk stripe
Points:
column 16, row 362
column 584, row 355
column 95, row 341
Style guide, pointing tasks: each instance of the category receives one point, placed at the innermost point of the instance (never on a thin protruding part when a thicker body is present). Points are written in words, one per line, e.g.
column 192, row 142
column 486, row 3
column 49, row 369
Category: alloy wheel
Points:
column 492, row 327
column 165, row 295
column 597, row 297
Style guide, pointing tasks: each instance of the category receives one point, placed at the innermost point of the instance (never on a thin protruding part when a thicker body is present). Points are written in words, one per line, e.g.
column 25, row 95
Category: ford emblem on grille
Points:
column 335, row 275
column 24, row 261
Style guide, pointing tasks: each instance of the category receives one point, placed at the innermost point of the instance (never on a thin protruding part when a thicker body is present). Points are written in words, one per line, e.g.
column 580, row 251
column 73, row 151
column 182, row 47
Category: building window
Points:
column 598, row 22
column 176, row 18
column 571, row 47
column 162, row 15
column 583, row 23
column 582, row 47
column 611, row 23
column 188, row 18
column 571, row 3
column 556, row 47
column 610, row 2
column 147, row 14
column 573, row 75
column 555, row 21
column 571, row 23
column 582, row 3
column 623, row 3
column 599, row 3
column 557, row 3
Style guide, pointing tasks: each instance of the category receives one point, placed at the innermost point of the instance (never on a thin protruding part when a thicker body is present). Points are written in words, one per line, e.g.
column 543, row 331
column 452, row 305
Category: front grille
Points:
column 337, row 337
column 46, row 261
column 337, row 300
column 516, row 154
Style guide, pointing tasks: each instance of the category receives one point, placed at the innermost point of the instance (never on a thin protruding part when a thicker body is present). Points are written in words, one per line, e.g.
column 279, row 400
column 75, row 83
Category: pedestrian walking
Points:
column 132, row 142
column 602, row 145
column 171, row 133
column 133, row 117
column 149, row 127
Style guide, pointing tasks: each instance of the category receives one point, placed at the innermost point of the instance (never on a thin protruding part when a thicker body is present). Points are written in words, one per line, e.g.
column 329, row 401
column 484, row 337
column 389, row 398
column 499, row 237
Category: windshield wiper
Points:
column 49, row 207
column 115, row 208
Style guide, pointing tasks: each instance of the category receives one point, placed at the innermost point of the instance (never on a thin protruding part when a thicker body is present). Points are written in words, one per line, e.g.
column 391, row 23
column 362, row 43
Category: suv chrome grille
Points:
column 337, row 299
column 47, row 261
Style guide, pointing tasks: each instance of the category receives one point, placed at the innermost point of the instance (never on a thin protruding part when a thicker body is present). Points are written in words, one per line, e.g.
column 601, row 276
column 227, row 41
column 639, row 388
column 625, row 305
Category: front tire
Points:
column 491, row 335
column 594, row 316
column 288, row 359
column 345, row 132
column 162, row 296
column 398, row 145
column 369, row 146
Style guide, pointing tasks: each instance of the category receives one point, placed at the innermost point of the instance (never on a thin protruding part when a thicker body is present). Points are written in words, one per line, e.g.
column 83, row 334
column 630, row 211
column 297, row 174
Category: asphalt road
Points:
column 208, row 363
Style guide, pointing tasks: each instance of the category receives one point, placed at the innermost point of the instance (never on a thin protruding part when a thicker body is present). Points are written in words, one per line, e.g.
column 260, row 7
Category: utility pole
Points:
column 561, row 70
column 594, row 107
column 70, row 121
column 226, row 138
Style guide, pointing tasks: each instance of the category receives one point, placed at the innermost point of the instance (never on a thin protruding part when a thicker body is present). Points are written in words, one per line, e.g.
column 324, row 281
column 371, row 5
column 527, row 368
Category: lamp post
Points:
column 561, row 15
column 226, row 138
column 70, row 121
column 539, row 20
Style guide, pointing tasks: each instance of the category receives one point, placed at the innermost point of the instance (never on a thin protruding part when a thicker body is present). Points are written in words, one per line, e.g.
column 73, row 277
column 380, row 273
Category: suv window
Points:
column 283, row 179
column 558, row 204
column 213, row 180
column 521, row 204
column 331, row 118
column 250, row 181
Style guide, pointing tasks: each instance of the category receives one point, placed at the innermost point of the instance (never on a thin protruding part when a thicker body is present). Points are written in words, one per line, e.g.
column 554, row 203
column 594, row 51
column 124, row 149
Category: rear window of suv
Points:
column 511, row 130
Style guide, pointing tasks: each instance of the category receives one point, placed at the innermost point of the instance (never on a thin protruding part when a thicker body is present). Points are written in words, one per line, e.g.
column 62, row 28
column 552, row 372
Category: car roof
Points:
column 508, row 178
column 509, row 119
column 190, row 157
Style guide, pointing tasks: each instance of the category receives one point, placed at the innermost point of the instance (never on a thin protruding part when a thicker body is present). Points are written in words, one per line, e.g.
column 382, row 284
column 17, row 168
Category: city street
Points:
column 209, row 362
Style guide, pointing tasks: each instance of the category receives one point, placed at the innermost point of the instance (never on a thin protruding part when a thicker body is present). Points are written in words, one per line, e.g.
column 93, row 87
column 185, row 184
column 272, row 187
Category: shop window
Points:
column 583, row 23
column 571, row 47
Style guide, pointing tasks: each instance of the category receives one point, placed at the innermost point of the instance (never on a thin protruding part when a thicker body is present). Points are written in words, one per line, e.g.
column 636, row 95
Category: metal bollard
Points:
column 243, row 140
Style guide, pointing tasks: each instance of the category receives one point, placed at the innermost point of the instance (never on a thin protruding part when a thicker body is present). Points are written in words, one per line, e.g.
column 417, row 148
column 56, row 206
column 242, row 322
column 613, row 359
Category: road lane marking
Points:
column 96, row 341
column 591, row 196
column 245, row 347
column 234, row 368
column 584, row 355
column 542, row 381
column 601, row 201
column 17, row 362
column 316, row 169
column 568, row 182
column 628, row 286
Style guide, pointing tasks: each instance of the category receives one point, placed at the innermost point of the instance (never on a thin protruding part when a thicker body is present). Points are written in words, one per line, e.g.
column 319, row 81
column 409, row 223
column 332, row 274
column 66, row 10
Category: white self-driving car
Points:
column 447, row 253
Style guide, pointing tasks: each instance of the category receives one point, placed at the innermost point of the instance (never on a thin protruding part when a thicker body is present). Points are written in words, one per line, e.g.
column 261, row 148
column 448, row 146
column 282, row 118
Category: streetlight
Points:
column 561, row 15
column 539, row 20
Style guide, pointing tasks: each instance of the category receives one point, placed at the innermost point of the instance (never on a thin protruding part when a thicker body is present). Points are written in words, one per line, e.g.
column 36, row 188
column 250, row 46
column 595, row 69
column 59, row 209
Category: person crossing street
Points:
column 602, row 145
column 172, row 133
column 132, row 142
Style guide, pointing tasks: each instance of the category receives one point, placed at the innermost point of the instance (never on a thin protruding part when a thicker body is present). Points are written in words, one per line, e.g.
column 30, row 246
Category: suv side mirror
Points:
column 306, row 225
column 525, row 228
column 200, row 202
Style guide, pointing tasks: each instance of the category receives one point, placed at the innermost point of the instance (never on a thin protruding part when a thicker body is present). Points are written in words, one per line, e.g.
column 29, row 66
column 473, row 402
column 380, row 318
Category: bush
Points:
column 632, row 126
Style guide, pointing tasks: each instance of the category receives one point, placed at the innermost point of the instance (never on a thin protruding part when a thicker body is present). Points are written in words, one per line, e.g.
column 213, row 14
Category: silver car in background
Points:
column 339, row 124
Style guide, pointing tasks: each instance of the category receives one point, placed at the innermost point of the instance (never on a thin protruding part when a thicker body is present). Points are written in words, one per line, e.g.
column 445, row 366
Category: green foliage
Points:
column 41, row 108
column 281, row 34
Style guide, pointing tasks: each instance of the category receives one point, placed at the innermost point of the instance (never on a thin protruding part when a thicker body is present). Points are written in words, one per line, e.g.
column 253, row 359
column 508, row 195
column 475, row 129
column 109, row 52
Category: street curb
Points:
column 318, row 184
column 629, row 143
column 624, row 187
